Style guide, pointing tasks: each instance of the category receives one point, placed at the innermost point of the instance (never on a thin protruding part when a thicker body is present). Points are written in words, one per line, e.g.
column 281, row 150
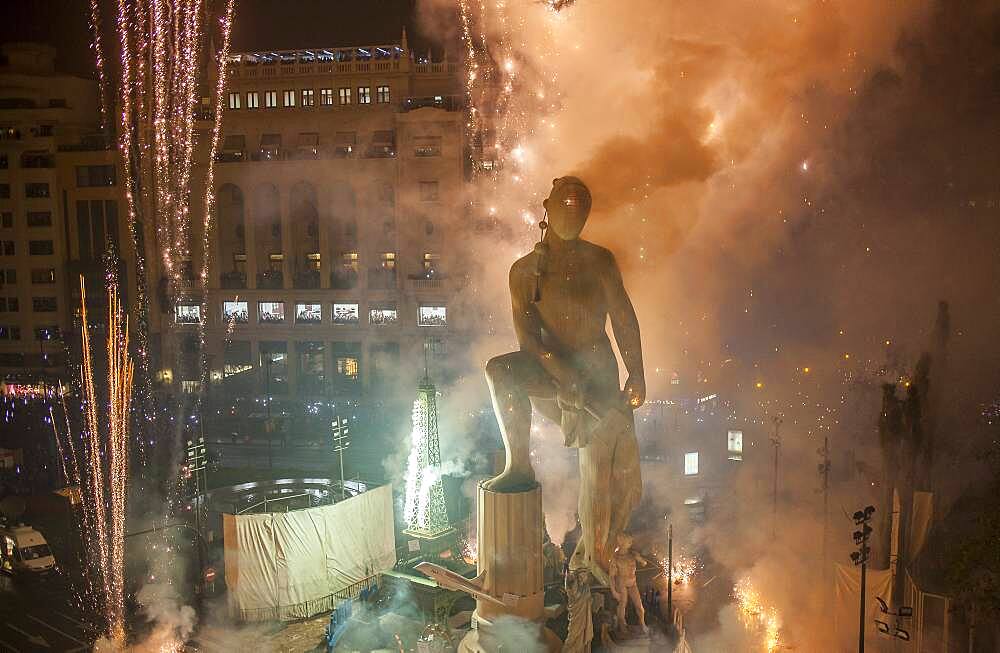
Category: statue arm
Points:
column 626, row 329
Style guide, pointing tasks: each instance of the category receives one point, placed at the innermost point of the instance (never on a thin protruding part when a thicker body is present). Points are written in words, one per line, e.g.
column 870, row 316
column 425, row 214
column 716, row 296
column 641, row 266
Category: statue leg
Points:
column 610, row 489
column 633, row 594
column 514, row 379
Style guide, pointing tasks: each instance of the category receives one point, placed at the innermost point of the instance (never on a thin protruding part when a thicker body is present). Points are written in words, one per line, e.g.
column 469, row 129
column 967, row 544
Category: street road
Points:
column 41, row 617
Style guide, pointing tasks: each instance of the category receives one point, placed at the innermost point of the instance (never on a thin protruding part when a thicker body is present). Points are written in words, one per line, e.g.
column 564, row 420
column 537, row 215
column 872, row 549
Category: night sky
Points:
column 260, row 24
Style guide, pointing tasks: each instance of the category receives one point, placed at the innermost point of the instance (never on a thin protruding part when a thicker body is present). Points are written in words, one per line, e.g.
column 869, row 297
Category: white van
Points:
column 23, row 550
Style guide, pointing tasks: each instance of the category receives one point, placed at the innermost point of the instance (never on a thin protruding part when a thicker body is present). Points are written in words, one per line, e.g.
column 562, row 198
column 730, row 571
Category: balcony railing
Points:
column 270, row 280
column 306, row 279
column 381, row 279
column 233, row 280
column 343, row 279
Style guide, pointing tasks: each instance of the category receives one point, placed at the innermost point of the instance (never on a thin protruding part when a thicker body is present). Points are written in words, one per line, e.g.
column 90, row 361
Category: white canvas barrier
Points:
column 289, row 565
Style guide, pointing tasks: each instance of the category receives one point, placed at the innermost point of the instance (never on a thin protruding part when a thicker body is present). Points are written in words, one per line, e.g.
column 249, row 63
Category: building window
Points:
column 308, row 97
column 40, row 247
column 345, row 95
column 271, row 312
column 364, row 95
column 691, row 463
column 346, row 313
column 427, row 146
column 235, row 100
column 43, row 304
column 187, row 314
column 3, row 161
column 8, row 276
column 382, row 314
column 382, row 94
column 7, row 247
column 36, row 189
column 270, row 99
column 288, row 98
column 428, row 191
column 431, row 264
column 344, row 143
column 308, row 313
column 346, row 365
column 253, row 100
column 7, row 220
column 4, row 191
column 92, row 176
column 235, row 312
column 10, row 332
column 43, row 275
column 734, row 445
column 39, row 218
column 11, row 359
column 9, row 305
column 50, row 332
column 432, row 316
column 326, row 97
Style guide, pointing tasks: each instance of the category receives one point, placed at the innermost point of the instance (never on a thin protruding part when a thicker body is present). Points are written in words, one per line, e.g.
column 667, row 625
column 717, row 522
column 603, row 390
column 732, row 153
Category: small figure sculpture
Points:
column 623, row 583
column 563, row 294
column 580, row 629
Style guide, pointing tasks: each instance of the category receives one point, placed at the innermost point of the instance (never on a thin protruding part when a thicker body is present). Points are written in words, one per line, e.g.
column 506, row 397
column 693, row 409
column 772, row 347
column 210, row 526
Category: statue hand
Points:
column 569, row 397
column 635, row 391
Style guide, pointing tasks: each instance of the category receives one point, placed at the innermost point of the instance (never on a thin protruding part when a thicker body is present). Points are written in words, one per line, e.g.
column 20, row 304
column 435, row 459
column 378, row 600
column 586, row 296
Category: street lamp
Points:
column 268, row 426
column 340, row 431
column 861, row 558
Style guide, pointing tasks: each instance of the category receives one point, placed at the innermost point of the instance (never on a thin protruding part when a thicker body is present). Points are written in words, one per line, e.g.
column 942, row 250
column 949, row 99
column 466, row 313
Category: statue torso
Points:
column 573, row 308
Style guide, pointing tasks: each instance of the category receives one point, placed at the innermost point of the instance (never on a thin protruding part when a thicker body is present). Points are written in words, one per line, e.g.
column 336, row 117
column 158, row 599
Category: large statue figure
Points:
column 563, row 294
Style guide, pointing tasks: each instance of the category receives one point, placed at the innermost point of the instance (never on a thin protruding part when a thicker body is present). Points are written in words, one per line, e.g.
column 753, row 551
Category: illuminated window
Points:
column 691, row 463
column 270, row 99
column 235, row 313
column 346, row 366
column 735, row 445
column 364, row 95
column 388, row 260
column 288, row 98
column 326, row 97
column 383, row 314
column 346, row 313
column 345, row 95
column 308, row 313
column 234, row 100
column 382, row 94
column 271, row 312
column 431, row 264
column 308, row 97
column 432, row 316
column 253, row 100
column 187, row 314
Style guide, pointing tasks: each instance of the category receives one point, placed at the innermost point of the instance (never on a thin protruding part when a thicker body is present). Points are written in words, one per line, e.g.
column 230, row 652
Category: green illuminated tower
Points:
column 424, row 508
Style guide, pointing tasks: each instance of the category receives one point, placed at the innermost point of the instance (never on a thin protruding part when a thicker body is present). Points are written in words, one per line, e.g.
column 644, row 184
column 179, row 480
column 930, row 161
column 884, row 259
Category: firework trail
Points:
column 106, row 457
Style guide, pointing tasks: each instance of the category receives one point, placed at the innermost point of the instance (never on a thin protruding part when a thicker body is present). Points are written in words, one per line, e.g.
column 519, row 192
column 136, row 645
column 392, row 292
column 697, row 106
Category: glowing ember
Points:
column 756, row 615
column 685, row 568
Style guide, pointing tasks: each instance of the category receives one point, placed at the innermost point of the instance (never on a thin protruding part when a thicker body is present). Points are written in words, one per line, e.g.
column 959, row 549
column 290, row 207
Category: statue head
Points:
column 624, row 541
column 568, row 206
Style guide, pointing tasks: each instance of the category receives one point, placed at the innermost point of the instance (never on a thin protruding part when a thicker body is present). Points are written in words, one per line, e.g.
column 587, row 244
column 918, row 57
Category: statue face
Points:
column 568, row 206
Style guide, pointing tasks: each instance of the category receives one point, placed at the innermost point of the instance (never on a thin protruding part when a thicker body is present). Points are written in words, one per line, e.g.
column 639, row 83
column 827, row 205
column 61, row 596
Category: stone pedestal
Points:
column 510, row 528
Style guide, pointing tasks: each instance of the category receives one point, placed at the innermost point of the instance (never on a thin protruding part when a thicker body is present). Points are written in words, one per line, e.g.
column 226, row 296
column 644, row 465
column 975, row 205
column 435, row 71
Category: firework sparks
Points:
column 106, row 456
column 685, row 568
column 756, row 615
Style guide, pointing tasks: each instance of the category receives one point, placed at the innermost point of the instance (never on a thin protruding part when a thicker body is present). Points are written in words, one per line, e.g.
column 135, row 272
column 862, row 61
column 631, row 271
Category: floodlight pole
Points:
column 776, row 441
column 670, row 572
column 861, row 617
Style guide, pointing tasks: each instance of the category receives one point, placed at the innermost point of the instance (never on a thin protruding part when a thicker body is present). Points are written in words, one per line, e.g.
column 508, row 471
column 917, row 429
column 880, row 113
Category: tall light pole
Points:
column 670, row 572
column 776, row 441
column 195, row 459
column 340, row 431
column 824, row 472
column 860, row 558
column 269, row 427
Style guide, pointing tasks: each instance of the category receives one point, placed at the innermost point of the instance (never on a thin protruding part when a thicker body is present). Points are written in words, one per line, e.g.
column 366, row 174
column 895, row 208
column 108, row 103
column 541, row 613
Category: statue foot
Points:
column 511, row 480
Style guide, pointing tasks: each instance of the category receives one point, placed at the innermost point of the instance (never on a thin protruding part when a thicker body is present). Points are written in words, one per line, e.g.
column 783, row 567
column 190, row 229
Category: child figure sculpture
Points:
column 623, row 583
